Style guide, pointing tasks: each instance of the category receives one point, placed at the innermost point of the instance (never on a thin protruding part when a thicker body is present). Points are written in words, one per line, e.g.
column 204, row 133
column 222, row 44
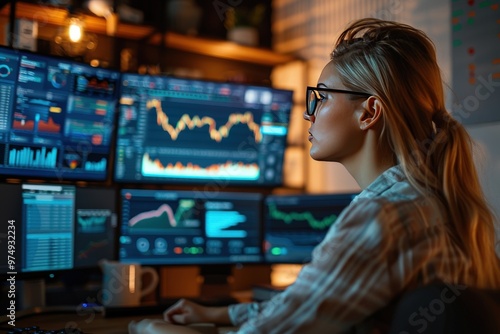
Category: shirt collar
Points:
column 383, row 182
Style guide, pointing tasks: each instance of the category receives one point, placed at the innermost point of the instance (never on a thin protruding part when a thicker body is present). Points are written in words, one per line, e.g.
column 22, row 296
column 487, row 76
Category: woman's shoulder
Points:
column 394, row 207
column 390, row 222
column 384, row 222
column 392, row 185
column 390, row 203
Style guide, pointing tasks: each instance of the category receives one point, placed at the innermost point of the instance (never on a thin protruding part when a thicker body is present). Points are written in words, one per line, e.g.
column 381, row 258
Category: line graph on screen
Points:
column 165, row 217
column 188, row 122
column 305, row 216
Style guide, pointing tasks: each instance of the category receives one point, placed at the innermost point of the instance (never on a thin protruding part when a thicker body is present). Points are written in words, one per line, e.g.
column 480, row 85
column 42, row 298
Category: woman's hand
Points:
column 186, row 312
column 157, row 326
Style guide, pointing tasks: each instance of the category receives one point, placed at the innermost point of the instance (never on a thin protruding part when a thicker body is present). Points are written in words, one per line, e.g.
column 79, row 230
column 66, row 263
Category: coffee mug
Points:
column 122, row 283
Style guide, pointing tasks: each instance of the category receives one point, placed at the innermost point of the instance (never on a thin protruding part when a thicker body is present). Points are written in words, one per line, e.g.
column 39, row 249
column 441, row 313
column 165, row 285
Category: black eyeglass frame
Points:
column 324, row 89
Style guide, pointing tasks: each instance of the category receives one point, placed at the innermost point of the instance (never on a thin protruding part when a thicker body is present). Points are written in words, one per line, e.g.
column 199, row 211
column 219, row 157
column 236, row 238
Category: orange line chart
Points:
column 186, row 121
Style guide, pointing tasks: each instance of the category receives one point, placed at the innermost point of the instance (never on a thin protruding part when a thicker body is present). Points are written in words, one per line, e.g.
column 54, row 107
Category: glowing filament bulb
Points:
column 75, row 30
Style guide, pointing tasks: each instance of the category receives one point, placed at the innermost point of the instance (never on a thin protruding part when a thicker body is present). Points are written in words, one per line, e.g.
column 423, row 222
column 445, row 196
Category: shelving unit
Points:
column 50, row 15
column 221, row 49
column 55, row 16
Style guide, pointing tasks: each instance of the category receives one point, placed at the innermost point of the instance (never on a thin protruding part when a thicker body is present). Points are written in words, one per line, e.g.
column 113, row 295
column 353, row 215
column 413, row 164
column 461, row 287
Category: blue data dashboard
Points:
column 56, row 117
column 166, row 227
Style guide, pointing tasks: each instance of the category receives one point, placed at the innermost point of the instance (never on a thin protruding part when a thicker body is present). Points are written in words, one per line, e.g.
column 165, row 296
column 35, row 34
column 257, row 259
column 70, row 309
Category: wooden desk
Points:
column 89, row 322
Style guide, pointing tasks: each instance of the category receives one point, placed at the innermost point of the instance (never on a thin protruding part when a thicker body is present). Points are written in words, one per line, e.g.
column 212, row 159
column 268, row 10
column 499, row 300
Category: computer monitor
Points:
column 174, row 130
column 295, row 224
column 58, row 228
column 173, row 227
column 57, row 117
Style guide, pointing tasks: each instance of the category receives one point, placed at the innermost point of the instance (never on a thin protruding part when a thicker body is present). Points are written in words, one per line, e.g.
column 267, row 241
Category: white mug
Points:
column 122, row 283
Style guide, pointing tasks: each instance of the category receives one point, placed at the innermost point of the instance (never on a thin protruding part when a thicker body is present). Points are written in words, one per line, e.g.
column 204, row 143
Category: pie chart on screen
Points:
column 58, row 80
column 4, row 71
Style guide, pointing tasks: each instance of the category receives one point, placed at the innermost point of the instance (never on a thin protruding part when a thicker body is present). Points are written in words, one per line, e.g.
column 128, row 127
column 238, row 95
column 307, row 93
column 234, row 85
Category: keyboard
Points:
column 38, row 330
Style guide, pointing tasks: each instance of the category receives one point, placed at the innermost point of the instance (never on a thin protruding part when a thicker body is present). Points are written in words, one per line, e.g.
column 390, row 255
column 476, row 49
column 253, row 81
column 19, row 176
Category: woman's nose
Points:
column 307, row 117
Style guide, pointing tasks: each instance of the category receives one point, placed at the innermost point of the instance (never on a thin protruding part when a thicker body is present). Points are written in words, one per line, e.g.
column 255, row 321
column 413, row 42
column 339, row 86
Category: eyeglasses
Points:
column 313, row 96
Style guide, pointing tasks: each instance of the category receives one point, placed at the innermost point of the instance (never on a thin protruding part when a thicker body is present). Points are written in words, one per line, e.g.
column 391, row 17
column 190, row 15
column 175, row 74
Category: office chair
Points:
column 441, row 308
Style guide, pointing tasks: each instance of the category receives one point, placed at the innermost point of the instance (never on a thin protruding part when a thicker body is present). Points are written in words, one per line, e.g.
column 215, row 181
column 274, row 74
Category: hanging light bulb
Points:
column 72, row 40
column 75, row 30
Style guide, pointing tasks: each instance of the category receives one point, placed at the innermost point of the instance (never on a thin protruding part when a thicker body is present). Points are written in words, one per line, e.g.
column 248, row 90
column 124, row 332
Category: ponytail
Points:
column 471, row 220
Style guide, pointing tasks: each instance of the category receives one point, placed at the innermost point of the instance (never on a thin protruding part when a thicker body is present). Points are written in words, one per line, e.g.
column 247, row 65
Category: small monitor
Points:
column 166, row 227
column 173, row 130
column 59, row 228
column 57, row 117
column 295, row 224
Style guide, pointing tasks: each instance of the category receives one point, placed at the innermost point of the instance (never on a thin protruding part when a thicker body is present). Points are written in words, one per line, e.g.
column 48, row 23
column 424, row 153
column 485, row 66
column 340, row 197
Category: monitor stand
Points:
column 216, row 285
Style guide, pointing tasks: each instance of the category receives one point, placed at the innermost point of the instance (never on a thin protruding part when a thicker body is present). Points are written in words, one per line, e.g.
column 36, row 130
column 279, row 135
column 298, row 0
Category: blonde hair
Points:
column 397, row 63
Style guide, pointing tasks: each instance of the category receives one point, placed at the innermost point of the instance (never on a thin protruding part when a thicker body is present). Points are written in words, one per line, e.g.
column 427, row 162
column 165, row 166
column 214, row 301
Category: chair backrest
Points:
column 442, row 308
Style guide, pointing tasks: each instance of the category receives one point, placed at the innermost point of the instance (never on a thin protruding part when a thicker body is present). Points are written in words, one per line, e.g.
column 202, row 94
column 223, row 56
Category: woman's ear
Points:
column 371, row 113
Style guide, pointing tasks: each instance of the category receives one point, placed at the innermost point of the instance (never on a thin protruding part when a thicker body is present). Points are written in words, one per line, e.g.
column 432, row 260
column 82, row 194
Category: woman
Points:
column 379, row 110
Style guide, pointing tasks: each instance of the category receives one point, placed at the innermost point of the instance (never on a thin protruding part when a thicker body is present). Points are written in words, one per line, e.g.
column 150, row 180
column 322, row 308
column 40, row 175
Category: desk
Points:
column 88, row 321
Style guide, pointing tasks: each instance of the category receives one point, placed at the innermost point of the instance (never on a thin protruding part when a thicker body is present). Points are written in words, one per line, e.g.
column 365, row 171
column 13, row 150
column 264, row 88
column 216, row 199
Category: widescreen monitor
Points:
column 295, row 224
column 56, row 117
column 174, row 130
column 166, row 227
column 59, row 228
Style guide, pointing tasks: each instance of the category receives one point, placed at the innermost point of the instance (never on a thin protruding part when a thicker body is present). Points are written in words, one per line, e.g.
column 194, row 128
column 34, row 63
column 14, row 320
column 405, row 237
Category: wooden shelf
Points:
column 46, row 14
column 221, row 49
column 56, row 16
